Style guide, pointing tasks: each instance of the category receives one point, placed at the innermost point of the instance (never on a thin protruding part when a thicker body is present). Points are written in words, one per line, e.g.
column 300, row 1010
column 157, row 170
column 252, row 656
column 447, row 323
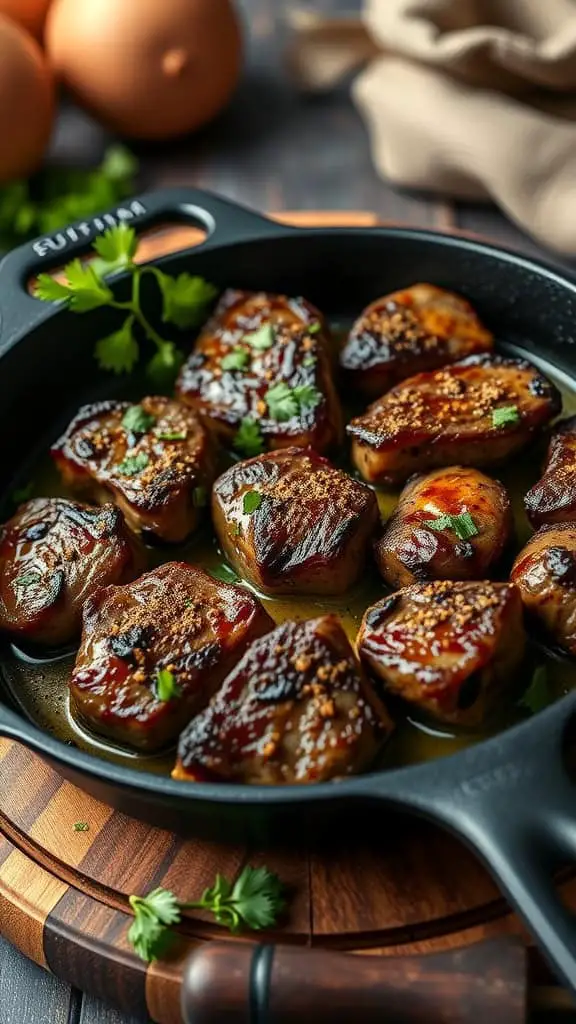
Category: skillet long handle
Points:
column 513, row 801
column 225, row 223
column 225, row 983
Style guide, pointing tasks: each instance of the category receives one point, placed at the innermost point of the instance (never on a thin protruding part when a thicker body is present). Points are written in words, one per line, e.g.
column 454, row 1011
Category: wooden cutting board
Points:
column 64, row 893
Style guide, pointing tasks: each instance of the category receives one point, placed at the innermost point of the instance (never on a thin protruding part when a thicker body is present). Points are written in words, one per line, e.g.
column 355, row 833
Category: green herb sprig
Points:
column 285, row 402
column 463, row 525
column 248, row 439
column 166, row 686
column 505, row 416
column 184, row 303
column 253, row 901
column 58, row 196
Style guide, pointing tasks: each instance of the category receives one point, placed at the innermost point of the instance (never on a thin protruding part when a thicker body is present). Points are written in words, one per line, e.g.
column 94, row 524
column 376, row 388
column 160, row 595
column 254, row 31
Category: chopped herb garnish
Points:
column 248, row 439
column 463, row 525
column 27, row 579
column 261, row 339
column 505, row 415
column 166, row 686
column 237, row 359
column 225, row 573
column 171, row 435
column 538, row 695
column 199, row 497
column 81, row 826
column 314, row 328
column 133, row 464
column 284, row 402
column 254, row 901
column 137, row 421
column 309, row 361
column 251, row 501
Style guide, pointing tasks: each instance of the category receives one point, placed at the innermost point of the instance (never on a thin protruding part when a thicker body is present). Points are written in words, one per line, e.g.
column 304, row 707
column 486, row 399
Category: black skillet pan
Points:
column 510, row 798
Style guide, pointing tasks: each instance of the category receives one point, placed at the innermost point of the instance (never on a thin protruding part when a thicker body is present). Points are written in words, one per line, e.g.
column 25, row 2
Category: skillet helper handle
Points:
column 244, row 983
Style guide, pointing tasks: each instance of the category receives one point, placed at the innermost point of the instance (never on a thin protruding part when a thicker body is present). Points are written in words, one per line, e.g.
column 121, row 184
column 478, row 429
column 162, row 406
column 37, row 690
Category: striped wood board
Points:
column 64, row 894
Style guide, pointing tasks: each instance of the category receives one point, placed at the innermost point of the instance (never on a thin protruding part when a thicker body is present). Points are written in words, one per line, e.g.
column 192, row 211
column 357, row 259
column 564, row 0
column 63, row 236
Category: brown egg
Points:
column 26, row 102
column 31, row 14
column 149, row 69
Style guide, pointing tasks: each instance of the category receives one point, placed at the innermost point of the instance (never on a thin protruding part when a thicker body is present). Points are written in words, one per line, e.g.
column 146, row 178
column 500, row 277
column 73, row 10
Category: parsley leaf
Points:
column 185, row 298
column 237, row 359
column 538, row 695
column 463, row 525
column 248, row 439
column 118, row 351
column 133, row 464
column 117, row 247
column 166, row 686
column 137, row 421
column 251, row 501
column 505, row 415
column 284, row 402
column 262, row 338
column 254, row 900
column 81, row 826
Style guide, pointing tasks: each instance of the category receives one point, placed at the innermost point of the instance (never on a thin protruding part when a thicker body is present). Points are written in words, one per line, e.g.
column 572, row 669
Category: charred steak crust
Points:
column 54, row 554
column 174, row 619
column 295, row 709
column 310, row 526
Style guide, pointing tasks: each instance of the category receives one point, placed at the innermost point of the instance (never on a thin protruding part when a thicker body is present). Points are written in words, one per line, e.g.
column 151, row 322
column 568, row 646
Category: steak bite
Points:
column 448, row 649
column 297, row 708
column 290, row 522
column 54, row 554
column 553, row 498
column 153, row 653
column 478, row 412
column 262, row 366
column 415, row 329
column 545, row 574
column 452, row 524
column 154, row 460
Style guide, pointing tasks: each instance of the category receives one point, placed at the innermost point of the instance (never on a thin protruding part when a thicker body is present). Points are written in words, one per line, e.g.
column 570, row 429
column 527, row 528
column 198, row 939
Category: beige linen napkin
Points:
column 470, row 98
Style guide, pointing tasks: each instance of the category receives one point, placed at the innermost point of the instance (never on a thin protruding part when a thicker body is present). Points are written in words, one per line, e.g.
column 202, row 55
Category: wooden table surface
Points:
column 273, row 149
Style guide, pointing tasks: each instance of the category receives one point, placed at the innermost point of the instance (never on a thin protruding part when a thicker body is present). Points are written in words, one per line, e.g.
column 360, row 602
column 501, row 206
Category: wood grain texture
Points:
column 29, row 995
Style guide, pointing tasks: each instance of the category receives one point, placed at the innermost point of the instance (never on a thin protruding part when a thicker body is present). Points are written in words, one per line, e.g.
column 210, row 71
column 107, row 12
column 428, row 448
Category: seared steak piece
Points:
column 478, row 412
column 545, row 574
column 448, row 649
column 262, row 366
column 153, row 653
column 452, row 524
column 290, row 522
column 553, row 498
column 296, row 709
column 409, row 331
column 54, row 554
column 154, row 460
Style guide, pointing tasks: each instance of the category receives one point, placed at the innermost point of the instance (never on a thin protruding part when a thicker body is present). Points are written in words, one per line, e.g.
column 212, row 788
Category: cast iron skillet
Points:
column 510, row 798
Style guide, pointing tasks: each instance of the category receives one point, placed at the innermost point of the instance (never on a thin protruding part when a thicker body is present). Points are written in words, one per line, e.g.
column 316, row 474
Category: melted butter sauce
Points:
column 38, row 686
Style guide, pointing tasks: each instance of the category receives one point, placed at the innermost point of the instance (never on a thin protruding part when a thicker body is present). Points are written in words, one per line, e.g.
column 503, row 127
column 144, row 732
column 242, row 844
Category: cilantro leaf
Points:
column 81, row 826
column 185, row 298
column 137, row 421
column 166, row 686
column 237, row 359
column 164, row 366
column 258, row 897
column 248, row 439
column 463, row 525
column 251, row 501
column 117, row 247
column 133, row 464
column 86, row 290
column 505, row 415
column 262, row 338
column 118, row 351
column 284, row 402
column 314, row 328
column 153, row 914
column 50, row 290
column 538, row 695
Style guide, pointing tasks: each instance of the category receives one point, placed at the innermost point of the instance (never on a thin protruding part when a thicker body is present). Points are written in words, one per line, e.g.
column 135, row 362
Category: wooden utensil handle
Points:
column 244, row 983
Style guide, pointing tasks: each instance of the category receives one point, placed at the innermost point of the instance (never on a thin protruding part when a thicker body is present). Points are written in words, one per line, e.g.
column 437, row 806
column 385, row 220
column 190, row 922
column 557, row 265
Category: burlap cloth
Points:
column 473, row 99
